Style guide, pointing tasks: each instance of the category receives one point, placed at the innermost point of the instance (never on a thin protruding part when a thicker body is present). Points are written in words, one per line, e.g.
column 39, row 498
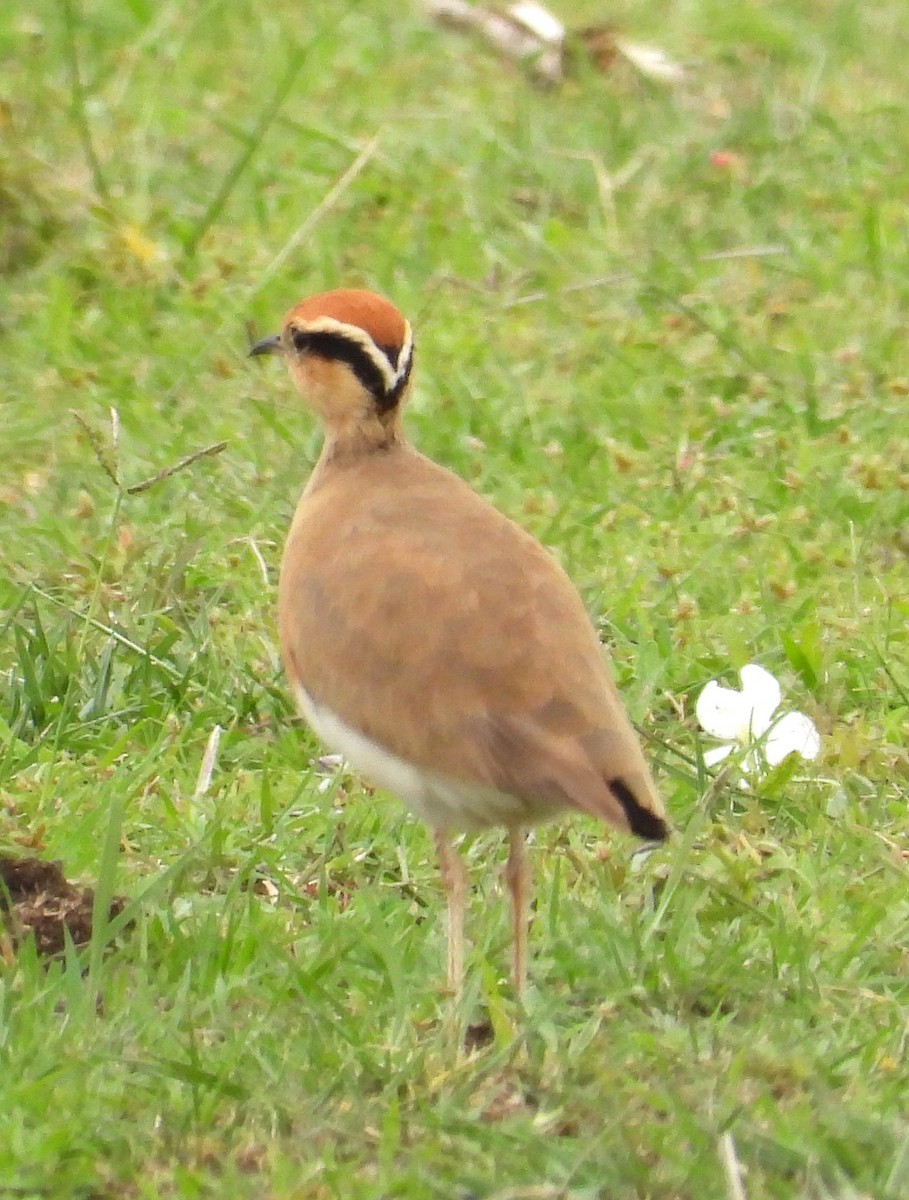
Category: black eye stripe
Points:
column 337, row 347
column 341, row 349
column 333, row 345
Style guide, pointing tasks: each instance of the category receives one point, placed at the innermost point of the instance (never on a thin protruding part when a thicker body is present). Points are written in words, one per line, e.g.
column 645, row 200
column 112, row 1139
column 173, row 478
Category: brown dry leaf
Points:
column 599, row 42
column 526, row 31
column 604, row 45
column 651, row 61
column 268, row 889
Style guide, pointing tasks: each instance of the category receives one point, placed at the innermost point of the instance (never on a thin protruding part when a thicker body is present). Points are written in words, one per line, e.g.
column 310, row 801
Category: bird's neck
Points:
column 349, row 441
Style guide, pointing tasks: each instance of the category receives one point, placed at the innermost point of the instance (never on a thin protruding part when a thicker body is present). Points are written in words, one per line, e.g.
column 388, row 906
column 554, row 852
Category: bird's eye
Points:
column 300, row 339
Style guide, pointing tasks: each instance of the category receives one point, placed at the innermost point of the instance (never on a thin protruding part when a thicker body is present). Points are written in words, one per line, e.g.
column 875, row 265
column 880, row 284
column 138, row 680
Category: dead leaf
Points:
column 525, row 32
column 651, row 61
column 604, row 45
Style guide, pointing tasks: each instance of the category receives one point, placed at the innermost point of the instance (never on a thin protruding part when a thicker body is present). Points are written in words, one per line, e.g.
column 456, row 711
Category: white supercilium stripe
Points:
column 391, row 376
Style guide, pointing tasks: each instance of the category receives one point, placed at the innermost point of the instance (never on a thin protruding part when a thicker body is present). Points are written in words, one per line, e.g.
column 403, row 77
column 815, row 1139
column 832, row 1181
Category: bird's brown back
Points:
column 426, row 620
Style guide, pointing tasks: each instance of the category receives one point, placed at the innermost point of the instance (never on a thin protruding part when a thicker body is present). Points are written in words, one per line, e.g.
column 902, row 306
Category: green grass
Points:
column 713, row 439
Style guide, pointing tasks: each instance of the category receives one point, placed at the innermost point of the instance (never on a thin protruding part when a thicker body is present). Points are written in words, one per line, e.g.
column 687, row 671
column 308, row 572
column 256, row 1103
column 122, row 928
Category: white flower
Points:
column 748, row 719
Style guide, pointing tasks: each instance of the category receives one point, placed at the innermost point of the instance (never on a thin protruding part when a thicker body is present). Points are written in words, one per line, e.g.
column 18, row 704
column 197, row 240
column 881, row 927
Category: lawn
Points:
column 662, row 326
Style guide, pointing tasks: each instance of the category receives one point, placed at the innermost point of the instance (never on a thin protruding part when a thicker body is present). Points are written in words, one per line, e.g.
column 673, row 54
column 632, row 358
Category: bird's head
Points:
column 350, row 354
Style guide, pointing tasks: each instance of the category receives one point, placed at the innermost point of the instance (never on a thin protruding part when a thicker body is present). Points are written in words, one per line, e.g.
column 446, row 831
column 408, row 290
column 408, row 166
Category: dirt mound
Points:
column 36, row 899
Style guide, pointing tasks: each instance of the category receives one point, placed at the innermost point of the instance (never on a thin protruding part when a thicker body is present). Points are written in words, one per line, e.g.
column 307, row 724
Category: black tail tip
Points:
column 641, row 821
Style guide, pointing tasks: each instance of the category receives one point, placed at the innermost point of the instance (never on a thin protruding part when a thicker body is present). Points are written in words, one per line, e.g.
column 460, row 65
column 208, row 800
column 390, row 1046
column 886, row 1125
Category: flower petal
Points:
column 794, row 733
column 722, row 712
column 712, row 757
column 762, row 692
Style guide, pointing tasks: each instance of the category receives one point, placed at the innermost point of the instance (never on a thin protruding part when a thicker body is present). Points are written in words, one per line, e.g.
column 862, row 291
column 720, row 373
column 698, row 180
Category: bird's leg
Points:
column 454, row 879
column 519, row 886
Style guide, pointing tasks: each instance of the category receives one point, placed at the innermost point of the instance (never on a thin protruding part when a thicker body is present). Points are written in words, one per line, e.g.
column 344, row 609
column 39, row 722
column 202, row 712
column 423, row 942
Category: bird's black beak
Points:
column 269, row 345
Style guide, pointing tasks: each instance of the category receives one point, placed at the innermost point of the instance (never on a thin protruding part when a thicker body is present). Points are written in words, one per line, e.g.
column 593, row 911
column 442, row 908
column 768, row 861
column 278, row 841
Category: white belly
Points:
column 443, row 803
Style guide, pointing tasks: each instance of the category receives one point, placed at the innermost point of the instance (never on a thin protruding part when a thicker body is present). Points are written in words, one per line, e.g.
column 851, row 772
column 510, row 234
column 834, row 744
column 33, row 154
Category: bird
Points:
column 428, row 638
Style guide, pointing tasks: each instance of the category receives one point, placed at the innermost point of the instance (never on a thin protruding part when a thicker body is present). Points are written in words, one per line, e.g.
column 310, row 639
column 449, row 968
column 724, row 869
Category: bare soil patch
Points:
column 36, row 900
